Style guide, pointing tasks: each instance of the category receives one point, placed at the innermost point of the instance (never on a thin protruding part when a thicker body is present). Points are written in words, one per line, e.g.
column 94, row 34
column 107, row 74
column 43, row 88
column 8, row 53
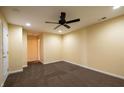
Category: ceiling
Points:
column 37, row 15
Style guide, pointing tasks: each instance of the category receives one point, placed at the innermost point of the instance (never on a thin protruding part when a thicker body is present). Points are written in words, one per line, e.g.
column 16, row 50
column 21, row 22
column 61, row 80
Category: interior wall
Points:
column 74, row 47
column 41, row 47
column 106, row 47
column 101, row 44
column 15, row 48
column 32, row 48
column 52, row 47
column 24, row 48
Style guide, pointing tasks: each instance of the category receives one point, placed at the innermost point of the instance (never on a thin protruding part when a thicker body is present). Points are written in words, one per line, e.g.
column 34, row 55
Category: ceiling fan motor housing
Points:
column 62, row 20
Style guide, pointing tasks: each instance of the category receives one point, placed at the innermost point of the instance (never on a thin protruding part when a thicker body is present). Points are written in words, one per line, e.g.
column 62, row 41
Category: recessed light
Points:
column 60, row 31
column 116, row 7
column 28, row 24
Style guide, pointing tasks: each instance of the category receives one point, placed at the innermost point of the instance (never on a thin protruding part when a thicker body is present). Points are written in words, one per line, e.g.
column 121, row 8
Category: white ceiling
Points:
column 37, row 15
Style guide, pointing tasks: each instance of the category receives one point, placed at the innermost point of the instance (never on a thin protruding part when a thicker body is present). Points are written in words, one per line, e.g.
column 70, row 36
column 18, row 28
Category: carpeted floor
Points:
column 60, row 74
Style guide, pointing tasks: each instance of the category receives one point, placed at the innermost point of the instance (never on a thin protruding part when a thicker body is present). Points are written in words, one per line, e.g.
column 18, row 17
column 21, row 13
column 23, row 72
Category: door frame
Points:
column 4, row 73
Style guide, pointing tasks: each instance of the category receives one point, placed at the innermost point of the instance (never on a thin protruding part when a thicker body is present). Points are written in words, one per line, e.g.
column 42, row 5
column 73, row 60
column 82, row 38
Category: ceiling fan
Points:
column 63, row 22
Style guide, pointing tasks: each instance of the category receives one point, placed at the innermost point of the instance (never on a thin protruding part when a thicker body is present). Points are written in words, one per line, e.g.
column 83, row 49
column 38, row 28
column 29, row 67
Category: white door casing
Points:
column 5, row 51
column 1, row 69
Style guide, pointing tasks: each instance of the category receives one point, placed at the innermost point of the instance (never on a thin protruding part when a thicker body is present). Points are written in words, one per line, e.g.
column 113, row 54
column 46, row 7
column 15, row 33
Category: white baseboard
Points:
column 20, row 70
column 34, row 60
column 10, row 72
column 2, row 84
column 97, row 70
column 51, row 62
column 4, row 79
column 25, row 66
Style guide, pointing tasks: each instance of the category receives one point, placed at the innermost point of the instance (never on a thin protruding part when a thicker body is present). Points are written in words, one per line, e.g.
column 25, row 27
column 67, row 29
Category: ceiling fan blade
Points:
column 52, row 22
column 57, row 26
column 72, row 21
column 67, row 26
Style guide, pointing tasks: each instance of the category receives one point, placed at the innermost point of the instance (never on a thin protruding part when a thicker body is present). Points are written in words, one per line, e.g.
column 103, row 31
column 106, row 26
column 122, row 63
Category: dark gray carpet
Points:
column 60, row 74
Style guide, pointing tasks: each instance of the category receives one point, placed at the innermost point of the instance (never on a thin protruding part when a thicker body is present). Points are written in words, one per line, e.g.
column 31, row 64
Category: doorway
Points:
column 33, row 46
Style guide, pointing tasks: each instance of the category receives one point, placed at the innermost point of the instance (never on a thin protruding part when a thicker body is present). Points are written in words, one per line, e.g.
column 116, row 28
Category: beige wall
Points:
column 52, row 47
column 3, row 25
column 39, row 50
column 15, row 48
column 74, row 47
column 24, row 48
column 99, row 46
column 105, row 43
column 41, row 47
